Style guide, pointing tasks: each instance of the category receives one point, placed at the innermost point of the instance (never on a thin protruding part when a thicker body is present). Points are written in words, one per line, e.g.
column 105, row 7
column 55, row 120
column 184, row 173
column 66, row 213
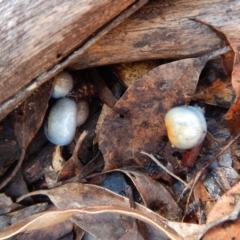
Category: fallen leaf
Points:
column 230, row 35
column 103, row 91
column 154, row 195
column 96, row 205
column 219, row 93
column 130, row 72
column 28, row 117
column 92, row 204
column 25, row 212
column 133, row 234
column 34, row 169
column 57, row 231
column 201, row 193
column 233, row 115
column 73, row 166
column 104, row 112
column 38, row 221
column 223, row 207
column 5, row 203
column 228, row 62
column 136, row 122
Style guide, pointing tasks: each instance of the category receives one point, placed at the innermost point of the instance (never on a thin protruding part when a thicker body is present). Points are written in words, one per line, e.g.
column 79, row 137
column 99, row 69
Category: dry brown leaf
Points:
column 228, row 61
column 5, row 203
column 133, row 234
column 97, row 204
column 93, row 205
column 233, row 115
column 225, row 29
column 223, row 207
column 104, row 112
column 201, row 193
column 219, row 93
column 38, row 221
column 130, row 72
column 28, row 117
column 73, row 166
column 136, row 122
column 103, row 91
column 75, row 195
column 57, row 231
column 154, row 195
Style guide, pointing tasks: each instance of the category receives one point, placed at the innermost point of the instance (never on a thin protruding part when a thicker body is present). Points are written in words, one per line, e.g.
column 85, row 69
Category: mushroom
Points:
column 63, row 84
column 83, row 112
column 61, row 124
column 186, row 127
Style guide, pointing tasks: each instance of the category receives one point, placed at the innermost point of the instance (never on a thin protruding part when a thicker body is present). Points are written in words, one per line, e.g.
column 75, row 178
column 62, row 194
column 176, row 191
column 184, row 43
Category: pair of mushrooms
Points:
column 186, row 125
column 65, row 115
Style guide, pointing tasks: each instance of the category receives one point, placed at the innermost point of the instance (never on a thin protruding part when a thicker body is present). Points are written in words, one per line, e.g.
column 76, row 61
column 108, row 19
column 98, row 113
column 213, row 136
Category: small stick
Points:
column 79, row 144
column 164, row 168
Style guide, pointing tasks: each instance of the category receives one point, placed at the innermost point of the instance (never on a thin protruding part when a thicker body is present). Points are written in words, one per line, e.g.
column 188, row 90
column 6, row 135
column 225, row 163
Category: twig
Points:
column 164, row 168
column 73, row 163
column 79, row 144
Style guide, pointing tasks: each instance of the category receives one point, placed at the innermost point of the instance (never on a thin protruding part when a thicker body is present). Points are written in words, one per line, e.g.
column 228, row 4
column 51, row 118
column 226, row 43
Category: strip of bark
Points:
column 16, row 81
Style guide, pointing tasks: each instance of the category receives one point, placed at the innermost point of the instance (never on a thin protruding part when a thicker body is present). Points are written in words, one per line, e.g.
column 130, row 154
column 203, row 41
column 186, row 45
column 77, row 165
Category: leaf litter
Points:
column 137, row 119
column 132, row 125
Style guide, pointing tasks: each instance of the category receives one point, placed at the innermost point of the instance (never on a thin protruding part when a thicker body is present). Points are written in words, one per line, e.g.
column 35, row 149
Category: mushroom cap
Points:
column 186, row 127
column 83, row 112
column 63, row 84
column 61, row 124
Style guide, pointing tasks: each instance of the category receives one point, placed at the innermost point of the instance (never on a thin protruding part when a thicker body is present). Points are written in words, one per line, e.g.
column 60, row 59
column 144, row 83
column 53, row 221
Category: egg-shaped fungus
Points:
column 83, row 112
column 186, row 127
column 61, row 124
column 62, row 85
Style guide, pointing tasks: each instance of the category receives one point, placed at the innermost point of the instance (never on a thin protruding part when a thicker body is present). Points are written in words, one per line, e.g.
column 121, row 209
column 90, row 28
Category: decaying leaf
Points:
column 28, row 117
column 25, row 212
column 104, row 112
column 130, row 72
column 73, row 166
column 57, row 231
column 154, row 195
column 35, row 222
column 133, row 233
column 89, row 205
column 219, row 93
column 104, row 92
column 222, row 208
column 103, row 202
column 5, row 203
column 233, row 114
column 226, row 31
column 136, row 122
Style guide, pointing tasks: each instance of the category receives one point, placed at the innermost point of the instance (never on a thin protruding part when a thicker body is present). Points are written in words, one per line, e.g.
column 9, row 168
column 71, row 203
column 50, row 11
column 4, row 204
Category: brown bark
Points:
column 36, row 35
column 164, row 30
column 36, row 44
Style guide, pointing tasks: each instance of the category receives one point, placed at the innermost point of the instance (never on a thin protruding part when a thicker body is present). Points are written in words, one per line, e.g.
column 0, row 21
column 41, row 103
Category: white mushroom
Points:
column 61, row 124
column 83, row 112
column 186, row 127
column 63, row 84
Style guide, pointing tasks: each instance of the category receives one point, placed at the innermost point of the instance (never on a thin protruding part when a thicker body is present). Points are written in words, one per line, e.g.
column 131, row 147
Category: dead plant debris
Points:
column 120, row 178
